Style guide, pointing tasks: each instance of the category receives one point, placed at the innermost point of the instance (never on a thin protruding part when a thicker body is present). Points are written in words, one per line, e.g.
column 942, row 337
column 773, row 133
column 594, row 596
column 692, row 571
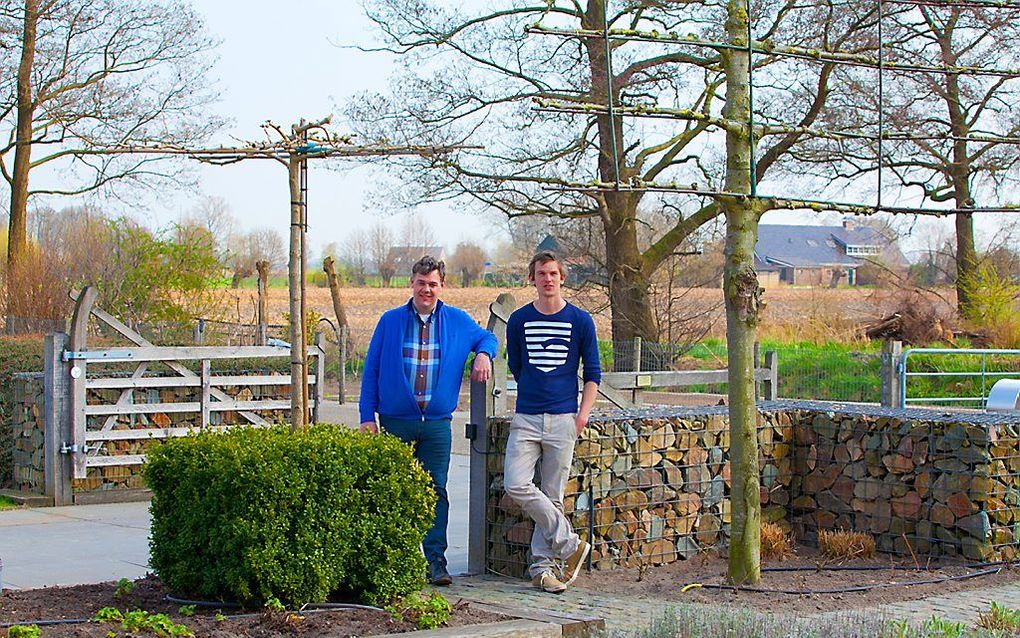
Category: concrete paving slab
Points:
column 74, row 545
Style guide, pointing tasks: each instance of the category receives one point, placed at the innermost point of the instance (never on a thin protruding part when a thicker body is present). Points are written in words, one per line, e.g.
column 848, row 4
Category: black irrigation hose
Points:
column 308, row 608
column 201, row 603
column 43, row 623
column 211, row 604
column 846, row 590
column 877, row 568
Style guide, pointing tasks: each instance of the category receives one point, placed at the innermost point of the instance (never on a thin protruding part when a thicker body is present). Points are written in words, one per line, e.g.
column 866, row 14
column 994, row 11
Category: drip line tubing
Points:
column 854, row 588
column 308, row 608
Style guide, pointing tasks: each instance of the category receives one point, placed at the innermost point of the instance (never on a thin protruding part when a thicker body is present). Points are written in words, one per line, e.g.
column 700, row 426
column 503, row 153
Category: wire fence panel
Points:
column 653, row 487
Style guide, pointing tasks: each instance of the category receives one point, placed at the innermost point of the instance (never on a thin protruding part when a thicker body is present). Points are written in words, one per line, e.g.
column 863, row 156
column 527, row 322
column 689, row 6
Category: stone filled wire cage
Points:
column 652, row 487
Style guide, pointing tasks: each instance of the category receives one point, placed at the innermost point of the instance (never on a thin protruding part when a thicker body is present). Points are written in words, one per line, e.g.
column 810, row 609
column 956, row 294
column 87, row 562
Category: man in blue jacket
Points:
column 411, row 380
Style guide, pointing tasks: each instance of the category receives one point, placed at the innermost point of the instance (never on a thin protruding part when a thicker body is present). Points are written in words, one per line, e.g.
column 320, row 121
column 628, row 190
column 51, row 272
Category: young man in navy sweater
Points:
column 547, row 340
column 411, row 379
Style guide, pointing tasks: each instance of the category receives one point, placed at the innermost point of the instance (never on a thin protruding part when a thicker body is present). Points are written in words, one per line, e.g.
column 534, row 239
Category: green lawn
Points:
column 849, row 372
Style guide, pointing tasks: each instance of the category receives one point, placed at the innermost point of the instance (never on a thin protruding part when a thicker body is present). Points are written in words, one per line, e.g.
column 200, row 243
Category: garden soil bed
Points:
column 83, row 601
column 815, row 585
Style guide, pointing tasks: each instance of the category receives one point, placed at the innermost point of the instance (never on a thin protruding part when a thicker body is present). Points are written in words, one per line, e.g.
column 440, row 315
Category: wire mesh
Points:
column 653, row 487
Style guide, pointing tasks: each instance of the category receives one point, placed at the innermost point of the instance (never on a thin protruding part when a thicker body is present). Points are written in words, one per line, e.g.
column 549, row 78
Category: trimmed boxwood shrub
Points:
column 254, row 514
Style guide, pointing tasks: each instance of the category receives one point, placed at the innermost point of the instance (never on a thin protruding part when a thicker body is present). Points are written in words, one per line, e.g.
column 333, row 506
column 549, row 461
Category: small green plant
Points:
column 187, row 610
column 273, row 604
column 124, row 588
column 425, row 612
column 139, row 621
column 1000, row 618
column 219, row 617
column 939, row 627
column 108, row 614
column 24, row 631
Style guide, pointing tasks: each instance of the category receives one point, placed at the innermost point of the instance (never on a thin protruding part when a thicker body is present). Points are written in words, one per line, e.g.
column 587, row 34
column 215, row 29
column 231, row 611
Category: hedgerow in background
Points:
column 255, row 514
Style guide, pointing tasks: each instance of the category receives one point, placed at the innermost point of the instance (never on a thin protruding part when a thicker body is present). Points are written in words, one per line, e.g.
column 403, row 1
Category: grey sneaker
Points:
column 572, row 566
column 548, row 583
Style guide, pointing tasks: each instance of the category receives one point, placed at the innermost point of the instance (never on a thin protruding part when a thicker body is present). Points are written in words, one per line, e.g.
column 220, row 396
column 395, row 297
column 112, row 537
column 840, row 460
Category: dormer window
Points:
column 862, row 250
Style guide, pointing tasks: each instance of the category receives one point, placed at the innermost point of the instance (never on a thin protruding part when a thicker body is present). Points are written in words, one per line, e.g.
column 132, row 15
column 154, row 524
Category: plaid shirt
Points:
column 421, row 356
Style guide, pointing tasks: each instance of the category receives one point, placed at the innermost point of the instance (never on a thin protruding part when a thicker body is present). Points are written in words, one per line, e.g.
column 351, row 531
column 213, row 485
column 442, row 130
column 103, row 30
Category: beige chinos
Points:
column 546, row 440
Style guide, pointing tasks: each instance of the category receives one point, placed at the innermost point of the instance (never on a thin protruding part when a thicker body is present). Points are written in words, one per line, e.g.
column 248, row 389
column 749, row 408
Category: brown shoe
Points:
column 572, row 566
column 548, row 583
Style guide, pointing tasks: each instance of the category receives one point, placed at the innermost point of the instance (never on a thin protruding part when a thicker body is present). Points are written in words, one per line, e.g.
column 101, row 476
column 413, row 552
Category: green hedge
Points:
column 260, row 513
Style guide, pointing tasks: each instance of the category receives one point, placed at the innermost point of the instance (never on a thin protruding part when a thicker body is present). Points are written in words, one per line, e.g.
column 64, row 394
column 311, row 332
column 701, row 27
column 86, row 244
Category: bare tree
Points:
column 355, row 253
column 468, row 260
column 92, row 74
column 952, row 136
column 245, row 250
column 380, row 241
column 488, row 70
column 417, row 231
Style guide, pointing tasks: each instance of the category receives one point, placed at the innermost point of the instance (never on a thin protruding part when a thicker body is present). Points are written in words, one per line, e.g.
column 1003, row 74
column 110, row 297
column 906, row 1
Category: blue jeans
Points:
column 431, row 442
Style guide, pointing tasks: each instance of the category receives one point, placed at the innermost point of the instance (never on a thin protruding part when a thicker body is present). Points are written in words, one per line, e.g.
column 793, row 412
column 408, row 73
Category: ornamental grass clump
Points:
column 255, row 514
column 845, row 545
column 776, row 543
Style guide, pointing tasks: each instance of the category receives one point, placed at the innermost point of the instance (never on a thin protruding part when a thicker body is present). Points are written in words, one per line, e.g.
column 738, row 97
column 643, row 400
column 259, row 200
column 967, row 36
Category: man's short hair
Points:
column 428, row 264
column 544, row 257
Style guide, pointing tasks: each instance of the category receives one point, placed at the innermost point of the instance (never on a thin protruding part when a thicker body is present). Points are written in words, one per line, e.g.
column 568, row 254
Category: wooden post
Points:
column 637, row 354
column 329, row 266
column 341, row 376
column 771, row 387
column 485, row 402
column 77, row 372
column 199, row 332
column 57, row 401
column 262, row 313
column 204, row 400
column 320, row 374
column 298, row 412
column 892, row 396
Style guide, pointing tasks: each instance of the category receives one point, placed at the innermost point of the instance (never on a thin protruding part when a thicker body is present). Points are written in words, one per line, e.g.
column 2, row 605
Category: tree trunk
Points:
column 628, row 287
column 298, row 411
column 329, row 265
column 742, row 307
column 262, row 268
column 17, row 239
column 959, row 174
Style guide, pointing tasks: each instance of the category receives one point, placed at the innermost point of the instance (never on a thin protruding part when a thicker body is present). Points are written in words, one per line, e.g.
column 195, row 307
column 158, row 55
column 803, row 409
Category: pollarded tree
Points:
column 952, row 136
column 80, row 76
column 472, row 77
column 532, row 160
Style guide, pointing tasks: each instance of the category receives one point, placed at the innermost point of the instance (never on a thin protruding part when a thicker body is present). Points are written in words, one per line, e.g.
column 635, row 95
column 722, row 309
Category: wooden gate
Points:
column 87, row 428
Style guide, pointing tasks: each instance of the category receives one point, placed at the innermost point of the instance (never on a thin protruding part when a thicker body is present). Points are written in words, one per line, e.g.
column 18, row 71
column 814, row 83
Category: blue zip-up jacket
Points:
column 385, row 389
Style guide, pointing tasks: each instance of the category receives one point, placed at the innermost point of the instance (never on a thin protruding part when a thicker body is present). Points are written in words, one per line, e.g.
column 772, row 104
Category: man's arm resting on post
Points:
column 481, row 369
column 484, row 344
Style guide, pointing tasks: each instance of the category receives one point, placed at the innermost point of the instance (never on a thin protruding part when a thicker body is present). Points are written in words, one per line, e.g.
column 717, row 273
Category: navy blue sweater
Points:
column 544, row 353
column 386, row 390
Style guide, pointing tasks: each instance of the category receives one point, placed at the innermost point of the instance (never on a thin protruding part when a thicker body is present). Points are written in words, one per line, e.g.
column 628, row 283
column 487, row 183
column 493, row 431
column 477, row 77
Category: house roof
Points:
column 795, row 246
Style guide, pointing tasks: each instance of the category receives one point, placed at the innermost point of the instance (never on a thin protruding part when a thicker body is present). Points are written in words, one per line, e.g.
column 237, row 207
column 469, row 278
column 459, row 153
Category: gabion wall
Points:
column 28, row 427
column 652, row 487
